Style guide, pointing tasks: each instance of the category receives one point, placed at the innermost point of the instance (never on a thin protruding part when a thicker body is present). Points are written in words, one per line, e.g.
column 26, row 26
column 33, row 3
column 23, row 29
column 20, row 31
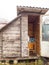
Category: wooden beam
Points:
column 26, row 12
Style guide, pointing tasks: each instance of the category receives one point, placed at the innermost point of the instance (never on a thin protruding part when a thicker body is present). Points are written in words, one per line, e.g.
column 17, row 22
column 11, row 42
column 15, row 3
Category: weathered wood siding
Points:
column 0, row 44
column 11, row 40
column 24, row 35
column 14, row 39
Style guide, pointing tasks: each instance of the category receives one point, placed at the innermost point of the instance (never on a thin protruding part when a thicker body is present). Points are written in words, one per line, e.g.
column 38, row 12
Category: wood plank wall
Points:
column 30, row 26
column 11, row 40
column 36, row 33
column 0, row 44
column 24, row 36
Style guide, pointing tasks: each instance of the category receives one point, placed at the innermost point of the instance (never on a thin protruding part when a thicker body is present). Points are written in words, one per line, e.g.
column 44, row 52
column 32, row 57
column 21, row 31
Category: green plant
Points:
column 3, row 61
column 11, row 62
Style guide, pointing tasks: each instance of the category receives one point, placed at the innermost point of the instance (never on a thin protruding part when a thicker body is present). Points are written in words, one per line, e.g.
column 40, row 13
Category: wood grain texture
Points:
column 11, row 40
column 24, row 36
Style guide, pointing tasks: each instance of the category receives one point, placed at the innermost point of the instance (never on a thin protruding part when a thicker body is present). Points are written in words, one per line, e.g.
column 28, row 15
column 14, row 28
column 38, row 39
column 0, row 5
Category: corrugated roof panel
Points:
column 39, row 10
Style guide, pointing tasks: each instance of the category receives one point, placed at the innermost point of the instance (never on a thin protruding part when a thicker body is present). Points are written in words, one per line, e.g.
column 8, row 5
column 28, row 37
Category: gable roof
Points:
column 25, row 9
column 10, row 22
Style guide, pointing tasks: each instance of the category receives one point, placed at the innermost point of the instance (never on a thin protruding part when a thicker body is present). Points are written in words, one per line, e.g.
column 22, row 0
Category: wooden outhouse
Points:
column 22, row 36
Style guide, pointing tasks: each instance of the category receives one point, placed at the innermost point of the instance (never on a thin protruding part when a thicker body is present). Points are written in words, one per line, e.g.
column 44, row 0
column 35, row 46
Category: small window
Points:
column 45, row 30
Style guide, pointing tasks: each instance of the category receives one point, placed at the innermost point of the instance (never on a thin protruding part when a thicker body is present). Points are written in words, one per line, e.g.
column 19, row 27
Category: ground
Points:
column 40, row 62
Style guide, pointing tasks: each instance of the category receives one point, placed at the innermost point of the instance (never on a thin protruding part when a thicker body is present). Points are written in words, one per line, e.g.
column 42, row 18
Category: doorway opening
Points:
column 34, row 34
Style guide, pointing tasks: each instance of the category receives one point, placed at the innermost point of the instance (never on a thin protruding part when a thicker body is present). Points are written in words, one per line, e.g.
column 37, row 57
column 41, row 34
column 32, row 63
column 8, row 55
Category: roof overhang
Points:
column 36, row 10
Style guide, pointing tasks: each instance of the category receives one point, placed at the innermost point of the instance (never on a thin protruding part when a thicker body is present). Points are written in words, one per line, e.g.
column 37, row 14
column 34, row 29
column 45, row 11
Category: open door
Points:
column 34, row 34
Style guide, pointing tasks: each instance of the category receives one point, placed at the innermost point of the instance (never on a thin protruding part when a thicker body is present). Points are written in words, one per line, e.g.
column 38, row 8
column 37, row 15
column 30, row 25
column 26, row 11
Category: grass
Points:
column 40, row 62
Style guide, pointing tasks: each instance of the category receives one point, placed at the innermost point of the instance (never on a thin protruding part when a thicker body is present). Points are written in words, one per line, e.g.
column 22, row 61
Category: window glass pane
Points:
column 45, row 29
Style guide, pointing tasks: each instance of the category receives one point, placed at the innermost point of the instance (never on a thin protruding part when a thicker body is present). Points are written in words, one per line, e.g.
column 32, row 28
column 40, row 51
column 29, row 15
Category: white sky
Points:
column 8, row 7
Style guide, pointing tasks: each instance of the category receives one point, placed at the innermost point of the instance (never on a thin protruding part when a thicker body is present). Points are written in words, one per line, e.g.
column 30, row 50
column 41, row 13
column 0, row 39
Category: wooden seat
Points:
column 32, row 48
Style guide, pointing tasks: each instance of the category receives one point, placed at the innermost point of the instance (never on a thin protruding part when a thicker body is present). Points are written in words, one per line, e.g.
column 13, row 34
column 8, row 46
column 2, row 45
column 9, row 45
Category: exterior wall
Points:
column 44, row 45
column 11, row 40
column 24, row 36
column 11, row 37
column 40, row 33
column 0, row 44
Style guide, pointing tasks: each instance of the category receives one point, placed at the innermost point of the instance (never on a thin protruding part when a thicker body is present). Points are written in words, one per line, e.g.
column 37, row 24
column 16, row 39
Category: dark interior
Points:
column 34, row 32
